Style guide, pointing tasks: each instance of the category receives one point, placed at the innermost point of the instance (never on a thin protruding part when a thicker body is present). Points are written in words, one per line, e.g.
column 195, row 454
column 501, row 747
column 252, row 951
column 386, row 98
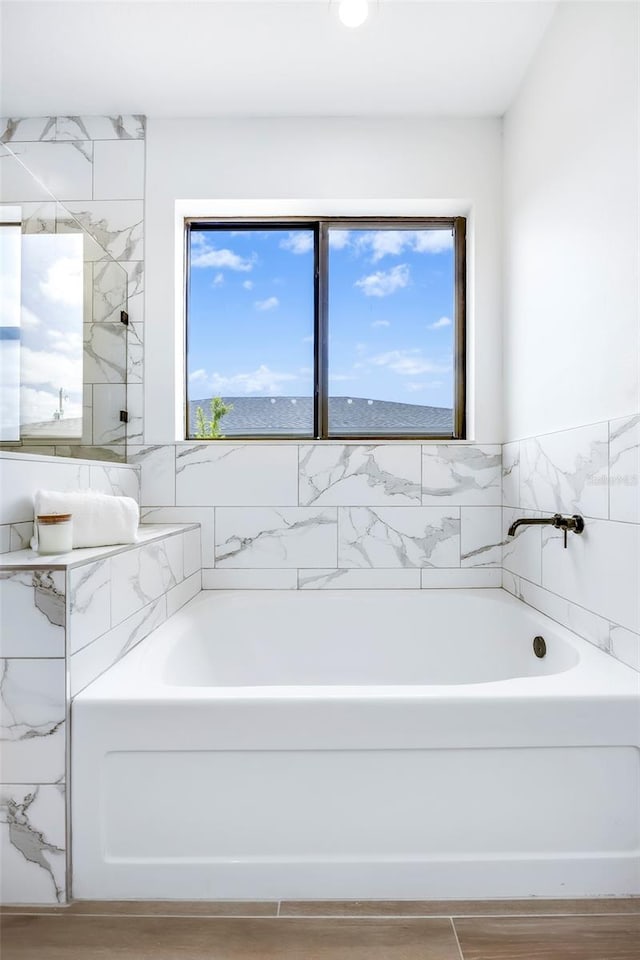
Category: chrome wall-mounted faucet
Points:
column 575, row 523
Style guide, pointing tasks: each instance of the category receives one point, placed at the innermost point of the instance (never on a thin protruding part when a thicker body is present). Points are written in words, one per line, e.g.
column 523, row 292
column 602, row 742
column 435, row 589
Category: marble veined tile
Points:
column 140, row 576
column 135, row 352
column 90, row 603
column 32, row 712
column 191, row 541
column 368, row 475
column 32, row 613
column 463, row 579
column 354, row 579
column 624, row 469
column 462, row 474
column 625, row 646
column 108, row 400
column 23, row 129
column 237, row 474
column 120, row 481
column 87, row 664
column 399, row 536
column 117, row 225
column 593, row 628
column 20, row 478
column 104, row 352
column 273, row 579
column 522, row 554
column 21, row 534
column 183, row 592
column 256, row 537
column 511, row 474
column 65, row 170
column 32, row 843
column 38, row 217
column 566, row 472
column 202, row 515
column 108, row 291
column 157, row 473
column 481, row 536
column 115, row 127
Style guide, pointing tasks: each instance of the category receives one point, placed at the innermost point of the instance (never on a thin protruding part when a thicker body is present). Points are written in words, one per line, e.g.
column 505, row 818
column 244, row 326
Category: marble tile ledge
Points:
column 147, row 533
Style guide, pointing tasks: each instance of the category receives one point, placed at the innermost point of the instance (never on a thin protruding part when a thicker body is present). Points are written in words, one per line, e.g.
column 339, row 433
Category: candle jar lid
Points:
column 49, row 518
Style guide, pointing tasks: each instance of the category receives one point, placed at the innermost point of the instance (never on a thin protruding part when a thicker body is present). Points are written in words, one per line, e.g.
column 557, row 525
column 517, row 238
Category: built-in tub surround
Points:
column 318, row 762
column 592, row 587
column 66, row 619
column 296, row 515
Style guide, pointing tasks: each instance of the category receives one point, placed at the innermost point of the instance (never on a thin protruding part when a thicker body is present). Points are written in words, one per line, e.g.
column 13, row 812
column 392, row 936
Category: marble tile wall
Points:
column 95, row 166
column 312, row 516
column 33, row 718
column 22, row 474
column 593, row 586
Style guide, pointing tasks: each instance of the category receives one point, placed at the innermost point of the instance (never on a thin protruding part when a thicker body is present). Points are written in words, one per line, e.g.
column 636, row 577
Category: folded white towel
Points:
column 99, row 519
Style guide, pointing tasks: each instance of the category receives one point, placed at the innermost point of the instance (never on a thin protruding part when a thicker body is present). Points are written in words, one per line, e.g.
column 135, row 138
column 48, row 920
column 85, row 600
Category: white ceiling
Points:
column 244, row 58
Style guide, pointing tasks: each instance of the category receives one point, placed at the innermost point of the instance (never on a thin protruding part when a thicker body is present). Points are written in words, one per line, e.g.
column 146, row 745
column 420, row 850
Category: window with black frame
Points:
column 325, row 329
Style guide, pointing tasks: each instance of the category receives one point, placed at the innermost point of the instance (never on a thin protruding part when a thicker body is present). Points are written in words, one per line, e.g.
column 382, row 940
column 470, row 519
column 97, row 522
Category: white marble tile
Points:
column 126, row 127
column 183, row 592
column 20, row 478
column 32, row 843
column 96, row 657
column 462, row 474
column 625, row 646
column 5, row 538
column 32, row 613
column 32, row 712
column 135, row 289
column 89, row 603
column 237, row 475
column 461, row 579
column 337, row 579
column 157, row 473
column 117, row 225
column 256, row 537
column 511, row 474
column 566, row 472
column 352, row 475
column 217, row 579
column 27, row 128
column 63, row 170
column 104, row 353
column 141, row 576
column 21, row 534
column 135, row 353
column 202, row 515
column 108, row 400
column 624, row 469
column 511, row 583
column 135, row 410
column 399, row 536
column 118, row 170
column 522, row 554
column 192, row 552
column 38, row 217
column 599, row 570
column 481, row 536
column 593, row 628
column 120, row 481
column 109, row 284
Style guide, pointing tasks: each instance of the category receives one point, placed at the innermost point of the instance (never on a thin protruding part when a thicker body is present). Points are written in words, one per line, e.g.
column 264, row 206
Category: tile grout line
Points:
column 457, row 939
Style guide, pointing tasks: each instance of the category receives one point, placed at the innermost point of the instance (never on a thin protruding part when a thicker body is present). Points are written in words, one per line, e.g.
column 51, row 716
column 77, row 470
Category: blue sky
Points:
column 390, row 314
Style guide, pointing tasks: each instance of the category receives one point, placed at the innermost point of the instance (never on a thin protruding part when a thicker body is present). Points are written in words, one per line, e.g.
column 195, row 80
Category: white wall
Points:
column 391, row 166
column 571, row 166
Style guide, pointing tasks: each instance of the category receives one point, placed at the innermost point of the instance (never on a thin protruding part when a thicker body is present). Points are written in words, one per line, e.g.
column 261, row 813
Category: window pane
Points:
column 391, row 332
column 250, row 332
column 10, row 236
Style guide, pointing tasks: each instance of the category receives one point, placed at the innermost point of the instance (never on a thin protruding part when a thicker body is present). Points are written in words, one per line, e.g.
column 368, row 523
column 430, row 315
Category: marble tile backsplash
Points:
column 592, row 587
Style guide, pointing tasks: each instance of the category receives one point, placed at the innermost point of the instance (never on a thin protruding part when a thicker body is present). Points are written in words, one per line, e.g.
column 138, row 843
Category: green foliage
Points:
column 210, row 429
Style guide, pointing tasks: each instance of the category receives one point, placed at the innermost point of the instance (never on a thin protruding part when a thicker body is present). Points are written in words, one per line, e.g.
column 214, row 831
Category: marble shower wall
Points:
column 309, row 516
column 95, row 166
column 593, row 586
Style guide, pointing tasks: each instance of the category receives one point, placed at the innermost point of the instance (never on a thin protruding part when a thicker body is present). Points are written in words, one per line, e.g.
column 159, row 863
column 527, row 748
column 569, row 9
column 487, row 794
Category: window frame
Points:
column 321, row 227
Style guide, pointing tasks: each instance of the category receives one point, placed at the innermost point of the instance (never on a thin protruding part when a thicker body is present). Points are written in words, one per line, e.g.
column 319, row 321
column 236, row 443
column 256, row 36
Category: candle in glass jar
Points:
column 55, row 533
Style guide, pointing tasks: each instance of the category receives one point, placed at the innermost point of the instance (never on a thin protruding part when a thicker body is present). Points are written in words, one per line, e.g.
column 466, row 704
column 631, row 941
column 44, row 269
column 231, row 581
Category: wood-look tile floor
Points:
column 355, row 930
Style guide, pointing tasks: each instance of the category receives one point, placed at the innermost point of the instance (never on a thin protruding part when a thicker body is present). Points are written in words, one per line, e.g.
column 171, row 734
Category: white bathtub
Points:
column 349, row 745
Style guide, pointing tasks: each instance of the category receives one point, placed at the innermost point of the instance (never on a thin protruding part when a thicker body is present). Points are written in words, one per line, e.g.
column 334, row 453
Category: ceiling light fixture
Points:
column 353, row 13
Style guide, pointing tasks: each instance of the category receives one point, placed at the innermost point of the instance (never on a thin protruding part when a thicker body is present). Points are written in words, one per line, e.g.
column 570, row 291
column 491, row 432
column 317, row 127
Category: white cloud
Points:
column 380, row 323
column 28, row 318
column 39, row 405
column 407, row 363
column 299, row 241
column 67, row 343
column 64, row 282
column 39, row 367
column 442, row 322
column 247, row 284
column 383, row 283
column 222, row 259
column 218, row 280
column 382, row 243
column 339, row 239
column 414, row 387
column 262, row 381
column 341, row 377
column 269, row 304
